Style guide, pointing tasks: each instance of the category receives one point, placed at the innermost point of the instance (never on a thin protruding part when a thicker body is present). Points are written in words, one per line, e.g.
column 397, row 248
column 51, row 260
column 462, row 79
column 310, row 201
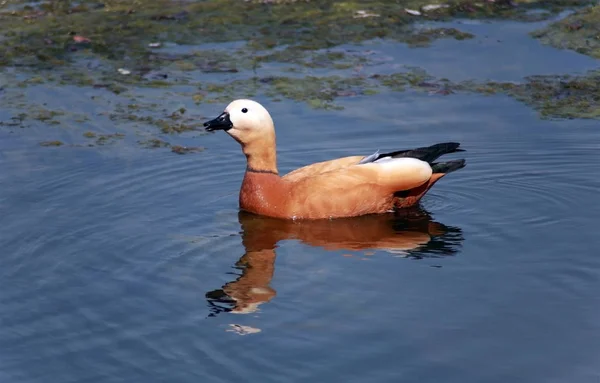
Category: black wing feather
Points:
column 427, row 153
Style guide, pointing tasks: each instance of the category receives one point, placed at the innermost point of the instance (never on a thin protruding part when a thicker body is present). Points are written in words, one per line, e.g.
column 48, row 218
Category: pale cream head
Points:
column 251, row 121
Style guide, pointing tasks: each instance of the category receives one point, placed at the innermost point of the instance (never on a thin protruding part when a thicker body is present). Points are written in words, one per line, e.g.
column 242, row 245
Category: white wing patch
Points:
column 385, row 159
column 414, row 167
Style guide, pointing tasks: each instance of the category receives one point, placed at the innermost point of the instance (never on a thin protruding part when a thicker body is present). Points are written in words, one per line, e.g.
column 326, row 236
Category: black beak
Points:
column 220, row 123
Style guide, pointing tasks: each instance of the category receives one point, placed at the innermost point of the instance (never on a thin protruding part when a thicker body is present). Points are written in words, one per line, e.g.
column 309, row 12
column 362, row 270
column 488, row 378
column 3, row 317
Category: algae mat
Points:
column 121, row 71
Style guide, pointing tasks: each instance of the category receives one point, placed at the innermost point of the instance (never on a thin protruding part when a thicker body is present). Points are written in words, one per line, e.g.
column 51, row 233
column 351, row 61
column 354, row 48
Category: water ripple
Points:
column 109, row 265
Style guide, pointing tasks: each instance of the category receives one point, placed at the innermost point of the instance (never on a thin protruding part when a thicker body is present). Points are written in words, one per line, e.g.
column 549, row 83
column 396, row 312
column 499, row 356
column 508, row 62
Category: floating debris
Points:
column 124, row 71
column 154, row 45
column 433, row 7
column 361, row 14
column 412, row 12
column 243, row 330
column 81, row 39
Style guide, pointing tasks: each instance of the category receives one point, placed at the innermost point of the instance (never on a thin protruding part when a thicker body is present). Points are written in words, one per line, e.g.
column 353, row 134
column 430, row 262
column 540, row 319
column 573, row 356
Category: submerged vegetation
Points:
column 579, row 32
column 48, row 33
column 144, row 65
column 554, row 96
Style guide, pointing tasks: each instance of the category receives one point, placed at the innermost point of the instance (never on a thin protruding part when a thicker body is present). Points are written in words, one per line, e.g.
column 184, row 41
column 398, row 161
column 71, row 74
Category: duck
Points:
column 343, row 187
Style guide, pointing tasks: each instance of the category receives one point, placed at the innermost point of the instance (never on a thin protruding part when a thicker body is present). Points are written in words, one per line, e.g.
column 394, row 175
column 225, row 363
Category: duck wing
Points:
column 355, row 189
column 426, row 153
column 321, row 167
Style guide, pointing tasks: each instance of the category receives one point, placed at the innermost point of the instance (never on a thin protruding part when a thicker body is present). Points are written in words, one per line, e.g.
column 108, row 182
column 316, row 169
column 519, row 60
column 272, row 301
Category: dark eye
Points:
column 244, row 110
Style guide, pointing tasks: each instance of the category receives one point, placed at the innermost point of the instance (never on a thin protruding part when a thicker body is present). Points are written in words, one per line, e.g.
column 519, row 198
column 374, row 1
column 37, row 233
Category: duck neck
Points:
column 263, row 192
column 261, row 157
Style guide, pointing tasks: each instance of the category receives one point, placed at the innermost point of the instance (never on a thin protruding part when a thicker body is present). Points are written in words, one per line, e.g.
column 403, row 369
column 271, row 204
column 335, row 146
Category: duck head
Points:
column 250, row 124
column 244, row 120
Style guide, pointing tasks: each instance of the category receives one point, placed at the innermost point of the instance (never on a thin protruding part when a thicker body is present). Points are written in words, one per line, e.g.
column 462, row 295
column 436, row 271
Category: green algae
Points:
column 178, row 149
column 175, row 128
column 51, row 143
column 552, row 96
column 303, row 36
column 176, row 122
column 424, row 37
column 322, row 92
column 309, row 59
column 579, row 32
column 318, row 92
column 106, row 139
column 562, row 97
column 416, row 78
column 154, row 143
column 56, row 33
column 46, row 115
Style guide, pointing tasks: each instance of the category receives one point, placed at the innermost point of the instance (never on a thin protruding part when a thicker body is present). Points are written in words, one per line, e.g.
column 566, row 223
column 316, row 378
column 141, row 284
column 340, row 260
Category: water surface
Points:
column 127, row 264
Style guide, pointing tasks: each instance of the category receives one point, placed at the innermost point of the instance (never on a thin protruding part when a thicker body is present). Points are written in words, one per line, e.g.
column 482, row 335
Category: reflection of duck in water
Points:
column 411, row 233
column 343, row 187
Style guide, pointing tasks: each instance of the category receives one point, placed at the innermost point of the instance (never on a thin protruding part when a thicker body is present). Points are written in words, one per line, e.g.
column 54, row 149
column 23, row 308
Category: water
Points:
column 498, row 52
column 120, row 263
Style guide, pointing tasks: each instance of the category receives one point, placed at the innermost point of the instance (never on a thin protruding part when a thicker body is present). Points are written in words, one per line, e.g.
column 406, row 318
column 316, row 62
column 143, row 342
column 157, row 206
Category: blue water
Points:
column 121, row 263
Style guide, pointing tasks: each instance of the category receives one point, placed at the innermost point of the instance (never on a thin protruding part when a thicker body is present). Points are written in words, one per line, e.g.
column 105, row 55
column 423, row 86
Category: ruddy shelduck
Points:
column 344, row 187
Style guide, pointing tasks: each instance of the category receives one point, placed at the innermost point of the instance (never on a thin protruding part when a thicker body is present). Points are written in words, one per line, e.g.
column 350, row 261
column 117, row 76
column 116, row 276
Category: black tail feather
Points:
column 428, row 153
column 447, row 167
